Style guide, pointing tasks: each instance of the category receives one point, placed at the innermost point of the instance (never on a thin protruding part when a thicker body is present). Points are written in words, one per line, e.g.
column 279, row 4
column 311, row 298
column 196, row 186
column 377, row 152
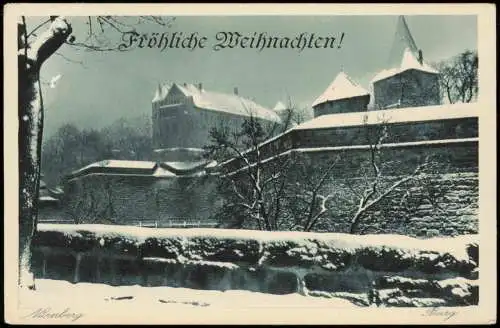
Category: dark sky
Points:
column 110, row 85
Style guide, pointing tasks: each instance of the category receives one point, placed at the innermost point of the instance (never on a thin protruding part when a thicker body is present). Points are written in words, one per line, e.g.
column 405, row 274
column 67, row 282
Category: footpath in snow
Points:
column 56, row 301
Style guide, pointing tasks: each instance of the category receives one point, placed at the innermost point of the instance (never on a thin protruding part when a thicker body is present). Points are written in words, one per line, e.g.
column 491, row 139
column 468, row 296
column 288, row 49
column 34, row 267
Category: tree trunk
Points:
column 30, row 133
column 30, row 114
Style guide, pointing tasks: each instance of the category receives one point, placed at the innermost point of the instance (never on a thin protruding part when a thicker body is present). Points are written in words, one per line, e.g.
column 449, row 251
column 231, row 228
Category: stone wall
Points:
column 347, row 105
column 128, row 199
column 441, row 200
column 389, row 270
column 411, row 88
column 450, row 208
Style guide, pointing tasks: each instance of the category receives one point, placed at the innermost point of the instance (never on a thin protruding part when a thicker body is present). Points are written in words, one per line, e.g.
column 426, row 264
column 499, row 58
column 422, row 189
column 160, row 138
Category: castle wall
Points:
column 443, row 201
column 361, row 135
column 412, row 88
column 348, row 105
column 51, row 213
column 187, row 126
column 130, row 199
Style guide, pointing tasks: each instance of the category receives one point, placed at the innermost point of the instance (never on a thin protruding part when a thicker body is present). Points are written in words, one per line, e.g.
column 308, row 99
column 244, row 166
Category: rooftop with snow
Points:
column 342, row 87
column 408, row 62
column 228, row 103
column 145, row 168
column 400, row 115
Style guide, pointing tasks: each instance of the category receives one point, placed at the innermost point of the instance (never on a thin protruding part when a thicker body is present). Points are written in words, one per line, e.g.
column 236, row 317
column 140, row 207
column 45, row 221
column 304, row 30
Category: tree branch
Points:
column 49, row 41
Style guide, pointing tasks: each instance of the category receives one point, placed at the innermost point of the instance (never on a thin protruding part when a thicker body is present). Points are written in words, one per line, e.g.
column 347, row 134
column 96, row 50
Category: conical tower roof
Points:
column 403, row 40
column 404, row 54
column 342, row 87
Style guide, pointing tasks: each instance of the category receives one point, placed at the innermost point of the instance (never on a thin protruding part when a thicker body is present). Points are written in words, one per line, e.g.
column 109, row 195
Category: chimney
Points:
column 420, row 57
column 236, row 90
column 200, row 86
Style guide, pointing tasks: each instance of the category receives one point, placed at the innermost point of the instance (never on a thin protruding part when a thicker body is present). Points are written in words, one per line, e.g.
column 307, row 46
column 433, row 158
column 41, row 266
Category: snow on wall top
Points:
column 416, row 114
column 228, row 103
column 342, row 87
column 167, row 169
column 452, row 245
column 409, row 61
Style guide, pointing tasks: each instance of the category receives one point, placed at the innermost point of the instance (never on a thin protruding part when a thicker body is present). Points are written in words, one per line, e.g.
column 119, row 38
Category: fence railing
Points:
column 176, row 223
column 166, row 223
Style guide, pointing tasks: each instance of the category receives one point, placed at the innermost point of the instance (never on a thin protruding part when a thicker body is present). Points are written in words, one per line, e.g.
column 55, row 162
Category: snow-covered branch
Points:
column 365, row 204
column 47, row 43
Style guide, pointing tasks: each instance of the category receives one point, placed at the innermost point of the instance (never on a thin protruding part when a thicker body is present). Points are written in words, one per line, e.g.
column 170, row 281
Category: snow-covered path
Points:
column 68, row 302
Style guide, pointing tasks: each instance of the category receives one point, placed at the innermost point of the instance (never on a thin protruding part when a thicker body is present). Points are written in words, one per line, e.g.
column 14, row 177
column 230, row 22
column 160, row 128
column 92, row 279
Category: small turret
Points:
column 343, row 95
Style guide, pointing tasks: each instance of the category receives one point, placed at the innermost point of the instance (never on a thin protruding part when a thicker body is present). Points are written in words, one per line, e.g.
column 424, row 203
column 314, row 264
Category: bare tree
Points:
column 459, row 77
column 377, row 175
column 95, row 203
column 309, row 195
column 250, row 184
column 34, row 49
column 259, row 184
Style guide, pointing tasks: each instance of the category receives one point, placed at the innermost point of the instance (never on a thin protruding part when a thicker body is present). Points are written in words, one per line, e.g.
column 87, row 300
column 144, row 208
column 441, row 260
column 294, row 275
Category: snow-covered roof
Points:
column 48, row 199
column 408, row 62
column 279, row 107
column 162, row 91
column 112, row 163
column 228, row 103
column 342, row 87
column 179, row 149
column 415, row 114
column 163, row 169
column 186, row 166
column 139, row 166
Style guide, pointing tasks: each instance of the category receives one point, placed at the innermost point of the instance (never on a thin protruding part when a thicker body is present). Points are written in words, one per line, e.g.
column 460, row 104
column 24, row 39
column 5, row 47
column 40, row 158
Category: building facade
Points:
column 183, row 116
column 50, row 204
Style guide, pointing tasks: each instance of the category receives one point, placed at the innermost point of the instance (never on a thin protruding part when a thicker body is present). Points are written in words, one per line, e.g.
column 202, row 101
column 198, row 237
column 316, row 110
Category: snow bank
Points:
column 266, row 248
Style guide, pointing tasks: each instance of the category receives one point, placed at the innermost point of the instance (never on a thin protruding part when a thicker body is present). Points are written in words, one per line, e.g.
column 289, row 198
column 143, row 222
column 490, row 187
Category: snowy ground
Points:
column 57, row 301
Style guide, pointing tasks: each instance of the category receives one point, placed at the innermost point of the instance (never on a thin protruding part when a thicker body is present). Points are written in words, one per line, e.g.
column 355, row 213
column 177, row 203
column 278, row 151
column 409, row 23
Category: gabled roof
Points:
column 228, row 103
column 162, row 91
column 342, row 87
column 408, row 62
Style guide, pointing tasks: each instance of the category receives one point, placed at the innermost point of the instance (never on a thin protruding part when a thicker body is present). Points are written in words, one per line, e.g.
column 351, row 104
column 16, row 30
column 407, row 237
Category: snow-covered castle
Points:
column 176, row 182
column 183, row 114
